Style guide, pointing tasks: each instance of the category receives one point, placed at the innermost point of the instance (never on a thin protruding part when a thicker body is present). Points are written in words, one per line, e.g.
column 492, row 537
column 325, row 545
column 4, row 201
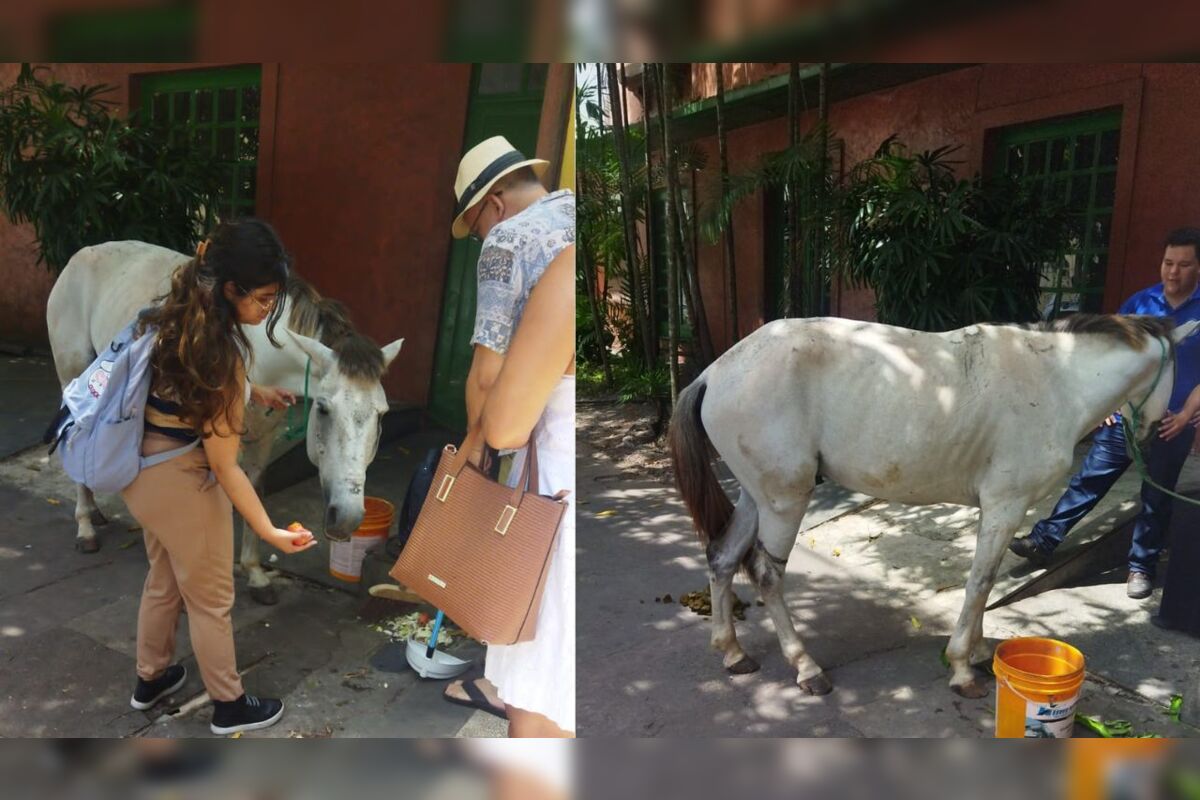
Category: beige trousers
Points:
column 187, row 523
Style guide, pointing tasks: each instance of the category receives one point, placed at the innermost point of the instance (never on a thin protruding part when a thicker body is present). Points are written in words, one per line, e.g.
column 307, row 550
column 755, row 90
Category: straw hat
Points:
column 483, row 165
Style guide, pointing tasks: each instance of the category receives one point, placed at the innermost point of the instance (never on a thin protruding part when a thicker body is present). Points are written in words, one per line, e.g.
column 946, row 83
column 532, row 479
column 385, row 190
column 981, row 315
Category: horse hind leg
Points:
column 766, row 565
column 725, row 556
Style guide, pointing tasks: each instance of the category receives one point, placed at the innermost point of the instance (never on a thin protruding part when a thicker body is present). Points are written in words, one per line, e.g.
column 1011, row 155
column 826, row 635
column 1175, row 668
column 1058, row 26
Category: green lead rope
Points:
column 296, row 429
column 1129, row 426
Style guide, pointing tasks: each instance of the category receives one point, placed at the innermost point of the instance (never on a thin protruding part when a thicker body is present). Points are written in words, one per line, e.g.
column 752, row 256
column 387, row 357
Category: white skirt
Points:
column 539, row 675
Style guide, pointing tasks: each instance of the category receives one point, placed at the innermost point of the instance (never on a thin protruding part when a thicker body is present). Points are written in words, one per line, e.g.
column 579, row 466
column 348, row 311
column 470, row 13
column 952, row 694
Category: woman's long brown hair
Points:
column 201, row 349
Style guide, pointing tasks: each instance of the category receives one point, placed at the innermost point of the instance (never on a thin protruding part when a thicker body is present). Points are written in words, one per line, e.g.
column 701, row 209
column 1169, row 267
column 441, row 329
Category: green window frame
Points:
column 1075, row 160
column 219, row 109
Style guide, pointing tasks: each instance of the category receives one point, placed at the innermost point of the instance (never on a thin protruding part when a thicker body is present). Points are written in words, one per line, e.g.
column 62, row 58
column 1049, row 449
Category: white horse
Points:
column 104, row 286
column 986, row 416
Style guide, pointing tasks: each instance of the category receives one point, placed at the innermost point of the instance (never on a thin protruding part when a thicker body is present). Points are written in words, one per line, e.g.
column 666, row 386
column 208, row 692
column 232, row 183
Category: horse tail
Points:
column 697, row 483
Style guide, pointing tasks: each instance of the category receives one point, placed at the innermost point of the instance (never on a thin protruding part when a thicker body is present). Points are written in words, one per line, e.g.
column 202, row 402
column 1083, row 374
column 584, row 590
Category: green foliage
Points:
column 632, row 382
column 81, row 176
column 941, row 252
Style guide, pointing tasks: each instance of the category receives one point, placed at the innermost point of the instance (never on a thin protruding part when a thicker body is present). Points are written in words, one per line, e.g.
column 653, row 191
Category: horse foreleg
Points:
column 767, row 564
column 87, row 516
column 261, row 590
column 997, row 524
column 725, row 555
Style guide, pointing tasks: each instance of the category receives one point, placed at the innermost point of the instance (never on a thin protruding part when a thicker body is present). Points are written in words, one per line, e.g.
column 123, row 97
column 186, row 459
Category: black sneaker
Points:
column 247, row 713
column 147, row 693
column 1026, row 548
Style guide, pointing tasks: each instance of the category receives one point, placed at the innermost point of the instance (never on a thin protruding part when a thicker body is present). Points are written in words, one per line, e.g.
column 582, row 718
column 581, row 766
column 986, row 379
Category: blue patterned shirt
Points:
column 514, row 256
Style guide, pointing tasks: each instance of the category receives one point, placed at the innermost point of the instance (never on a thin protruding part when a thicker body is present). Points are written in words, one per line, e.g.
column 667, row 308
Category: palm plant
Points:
column 80, row 175
column 941, row 252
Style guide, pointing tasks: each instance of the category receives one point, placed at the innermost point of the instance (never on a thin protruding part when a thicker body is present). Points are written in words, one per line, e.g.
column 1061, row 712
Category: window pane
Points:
column 1108, row 148
column 204, row 105
column 1058, row 155
column 202, row 138
column 226, row 105
column 1015, row 158
column 1081, row 190
column 250, row 104
column 1101, row 227
column 225, row 148
column 246, row 189
column 159, row 111
column 1096, row 267
column 248, row 144
column 1037, row 158
column 1085, row 151
column 180, row 103
column 1106, row 189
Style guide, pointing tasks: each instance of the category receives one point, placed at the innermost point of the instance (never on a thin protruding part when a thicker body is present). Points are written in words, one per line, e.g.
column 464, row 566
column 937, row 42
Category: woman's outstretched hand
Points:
column 293, row 539
column 272, row 397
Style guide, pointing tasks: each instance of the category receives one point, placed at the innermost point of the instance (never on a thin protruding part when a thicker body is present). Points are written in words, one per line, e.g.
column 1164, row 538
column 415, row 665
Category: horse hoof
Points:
column 744, row 666
column 264, row 595
column 817, row 685
column 98, row 519
column 87, row 545
column 972, row 689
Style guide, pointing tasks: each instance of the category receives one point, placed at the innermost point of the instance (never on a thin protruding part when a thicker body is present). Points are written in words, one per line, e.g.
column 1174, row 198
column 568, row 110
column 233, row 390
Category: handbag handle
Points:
column 529, row 471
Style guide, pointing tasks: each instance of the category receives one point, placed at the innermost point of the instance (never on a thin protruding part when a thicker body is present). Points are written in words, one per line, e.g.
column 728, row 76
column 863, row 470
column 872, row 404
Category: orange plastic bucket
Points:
column 1037, row 686
column 345, row 558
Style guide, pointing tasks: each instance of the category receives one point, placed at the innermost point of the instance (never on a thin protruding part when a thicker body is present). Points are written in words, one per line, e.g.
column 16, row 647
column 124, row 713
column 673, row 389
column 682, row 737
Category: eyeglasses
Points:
column 264, row 306
column 475, row 237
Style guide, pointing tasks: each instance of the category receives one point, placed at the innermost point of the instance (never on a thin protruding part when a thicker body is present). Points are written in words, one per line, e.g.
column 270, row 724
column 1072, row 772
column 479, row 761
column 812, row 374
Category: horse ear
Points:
column 390, row 352
column 1184, row 331
column 323, row 358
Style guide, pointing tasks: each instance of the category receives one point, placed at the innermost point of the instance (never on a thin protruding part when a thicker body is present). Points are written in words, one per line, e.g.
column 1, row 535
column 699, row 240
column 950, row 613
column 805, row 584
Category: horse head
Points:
column 345, row 422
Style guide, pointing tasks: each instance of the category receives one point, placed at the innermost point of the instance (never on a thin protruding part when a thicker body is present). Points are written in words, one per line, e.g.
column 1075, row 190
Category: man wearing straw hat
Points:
column 523, row 229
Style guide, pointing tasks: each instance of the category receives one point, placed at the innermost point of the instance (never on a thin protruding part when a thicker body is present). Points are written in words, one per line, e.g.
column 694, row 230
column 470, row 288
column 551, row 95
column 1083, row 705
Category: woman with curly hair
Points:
column 199, row 390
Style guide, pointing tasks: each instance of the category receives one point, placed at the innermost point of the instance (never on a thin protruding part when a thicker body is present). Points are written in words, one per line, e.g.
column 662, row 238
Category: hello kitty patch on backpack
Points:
column 98, row 430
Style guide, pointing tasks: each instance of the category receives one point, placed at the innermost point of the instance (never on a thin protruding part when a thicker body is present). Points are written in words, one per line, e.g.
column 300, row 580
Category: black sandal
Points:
column 476, row 699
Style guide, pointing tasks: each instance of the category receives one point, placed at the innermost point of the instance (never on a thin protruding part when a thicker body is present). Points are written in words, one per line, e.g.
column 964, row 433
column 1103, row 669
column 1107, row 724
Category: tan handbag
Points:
column 480, row 550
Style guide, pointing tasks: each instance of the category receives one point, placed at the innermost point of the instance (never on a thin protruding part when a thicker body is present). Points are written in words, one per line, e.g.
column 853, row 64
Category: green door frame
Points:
column 504, row 103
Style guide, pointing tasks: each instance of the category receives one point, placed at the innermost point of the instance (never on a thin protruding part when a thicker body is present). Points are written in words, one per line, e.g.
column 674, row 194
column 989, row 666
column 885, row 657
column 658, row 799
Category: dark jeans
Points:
column 1105, row 463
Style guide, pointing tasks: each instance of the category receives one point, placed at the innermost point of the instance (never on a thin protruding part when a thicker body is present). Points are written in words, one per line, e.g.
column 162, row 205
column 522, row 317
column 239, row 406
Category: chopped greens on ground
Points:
column 417, row 625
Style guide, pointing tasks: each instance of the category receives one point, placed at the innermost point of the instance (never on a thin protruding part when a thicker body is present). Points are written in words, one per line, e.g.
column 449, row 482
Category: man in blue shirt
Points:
column 1176, row 297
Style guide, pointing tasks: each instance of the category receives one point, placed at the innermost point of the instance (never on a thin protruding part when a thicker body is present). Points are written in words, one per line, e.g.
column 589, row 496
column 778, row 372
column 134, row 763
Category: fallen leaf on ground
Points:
column 134, row 528
column 916, row 623
column 52, row 501
column 128, row 544
column 837, row 551
column 1175, row 707
column 608, row 512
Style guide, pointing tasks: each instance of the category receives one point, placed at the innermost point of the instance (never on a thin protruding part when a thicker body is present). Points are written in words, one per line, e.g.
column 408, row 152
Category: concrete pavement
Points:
column 874, row 588
column 68, row 626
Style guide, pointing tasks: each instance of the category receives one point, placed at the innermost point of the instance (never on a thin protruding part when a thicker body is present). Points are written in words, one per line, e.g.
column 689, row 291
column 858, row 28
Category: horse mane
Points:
column 328, row 321
column 1134, row 330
